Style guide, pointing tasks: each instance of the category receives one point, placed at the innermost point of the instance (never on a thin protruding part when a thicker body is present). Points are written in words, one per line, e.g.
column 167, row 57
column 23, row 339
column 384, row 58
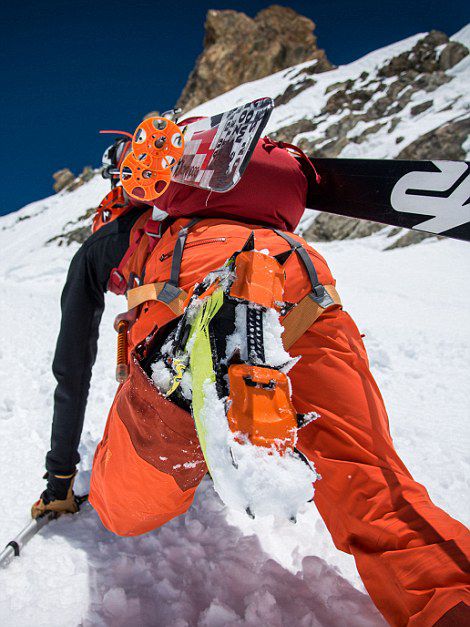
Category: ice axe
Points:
column 15, row 546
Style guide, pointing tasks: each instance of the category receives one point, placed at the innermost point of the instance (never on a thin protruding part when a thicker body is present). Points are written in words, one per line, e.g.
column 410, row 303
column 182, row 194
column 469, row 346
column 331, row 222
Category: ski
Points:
column 429, row 196
column 217, row 149
column 210, row 153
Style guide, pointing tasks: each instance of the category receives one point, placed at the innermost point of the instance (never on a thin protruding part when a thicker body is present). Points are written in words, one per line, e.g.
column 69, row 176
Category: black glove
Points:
column 57, row 486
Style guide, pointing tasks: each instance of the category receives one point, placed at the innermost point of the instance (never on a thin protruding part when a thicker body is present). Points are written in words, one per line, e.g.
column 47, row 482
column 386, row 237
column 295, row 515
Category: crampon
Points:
column 226, row 358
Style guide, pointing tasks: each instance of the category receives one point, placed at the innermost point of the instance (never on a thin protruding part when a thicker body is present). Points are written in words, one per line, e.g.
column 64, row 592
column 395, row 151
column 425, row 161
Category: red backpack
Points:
column 272, row 192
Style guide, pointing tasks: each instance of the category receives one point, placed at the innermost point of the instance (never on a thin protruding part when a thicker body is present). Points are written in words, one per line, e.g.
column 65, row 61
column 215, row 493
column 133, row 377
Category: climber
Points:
column 412, row 556
column 82, row 306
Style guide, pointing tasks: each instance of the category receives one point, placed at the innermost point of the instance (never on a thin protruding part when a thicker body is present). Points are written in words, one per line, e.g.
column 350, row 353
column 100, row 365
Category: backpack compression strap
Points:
column 304, row 314
column 310, row 308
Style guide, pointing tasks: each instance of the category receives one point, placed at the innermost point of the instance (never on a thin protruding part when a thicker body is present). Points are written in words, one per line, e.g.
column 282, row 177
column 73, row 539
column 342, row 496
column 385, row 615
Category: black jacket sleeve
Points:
column 82, row 306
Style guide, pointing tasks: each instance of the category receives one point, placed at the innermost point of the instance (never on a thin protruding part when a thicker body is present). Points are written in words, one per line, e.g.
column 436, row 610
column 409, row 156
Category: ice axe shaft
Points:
column 15, row 546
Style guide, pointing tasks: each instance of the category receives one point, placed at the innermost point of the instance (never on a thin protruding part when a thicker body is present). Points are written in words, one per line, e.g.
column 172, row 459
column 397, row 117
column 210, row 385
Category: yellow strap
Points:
column 180, row 368
column 151, row 291
column 303, row 315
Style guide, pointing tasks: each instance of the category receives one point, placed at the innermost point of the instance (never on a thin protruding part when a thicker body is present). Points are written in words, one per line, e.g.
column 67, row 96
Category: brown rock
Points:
column 420, row 108
column 87, row 174
column 238, row 49
column 287, row 133
column 63, row 178
column 444, row 142
column 409, row 238
column 292, row 91
column 328, row 227
column 75, row 232
column 422, row 57
column 452, row 54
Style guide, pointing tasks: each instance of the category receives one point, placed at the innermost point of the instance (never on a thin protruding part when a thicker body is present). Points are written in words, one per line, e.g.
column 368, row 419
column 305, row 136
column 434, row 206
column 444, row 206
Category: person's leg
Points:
column 412, row 556
column 149, row 463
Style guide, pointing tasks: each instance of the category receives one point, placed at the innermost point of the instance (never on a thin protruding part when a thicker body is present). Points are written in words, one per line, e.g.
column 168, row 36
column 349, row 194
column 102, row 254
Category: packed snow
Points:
column 215, row 566
column 248, row 477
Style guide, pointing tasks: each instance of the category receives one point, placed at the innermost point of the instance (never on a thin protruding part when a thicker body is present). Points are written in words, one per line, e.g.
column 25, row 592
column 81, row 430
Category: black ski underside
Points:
column 362, row 188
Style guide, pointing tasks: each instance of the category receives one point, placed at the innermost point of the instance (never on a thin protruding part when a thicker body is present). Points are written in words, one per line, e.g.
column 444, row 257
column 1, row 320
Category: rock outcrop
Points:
column 75, row 232
column 444, row 142
column 66, row 180
column 62, row 179
column 378, row 102
column 239, row 49
column 328, row 227
column 372, row 102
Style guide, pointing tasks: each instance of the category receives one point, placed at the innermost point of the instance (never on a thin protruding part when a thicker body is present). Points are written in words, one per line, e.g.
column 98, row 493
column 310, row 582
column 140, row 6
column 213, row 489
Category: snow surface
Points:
column 213, row 566
column 248, row 476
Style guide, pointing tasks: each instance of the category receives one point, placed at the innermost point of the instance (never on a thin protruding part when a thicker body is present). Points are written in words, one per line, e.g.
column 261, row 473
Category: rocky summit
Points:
column 239, row 49
column 409, row 100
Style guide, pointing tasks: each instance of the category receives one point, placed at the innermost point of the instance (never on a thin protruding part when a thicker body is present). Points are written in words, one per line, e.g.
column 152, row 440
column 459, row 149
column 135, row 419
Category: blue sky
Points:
column 69, row 68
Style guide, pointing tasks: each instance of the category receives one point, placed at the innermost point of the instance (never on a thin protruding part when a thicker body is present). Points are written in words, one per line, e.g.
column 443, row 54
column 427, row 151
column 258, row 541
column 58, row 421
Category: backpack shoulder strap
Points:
column 167, row 292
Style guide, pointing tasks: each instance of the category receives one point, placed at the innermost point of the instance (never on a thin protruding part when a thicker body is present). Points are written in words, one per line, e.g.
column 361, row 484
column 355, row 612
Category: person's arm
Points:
column 82, row 307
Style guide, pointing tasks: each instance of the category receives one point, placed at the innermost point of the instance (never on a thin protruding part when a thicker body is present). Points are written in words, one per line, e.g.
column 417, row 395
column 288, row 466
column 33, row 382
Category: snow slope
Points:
column 450, row 102
column 215, row 567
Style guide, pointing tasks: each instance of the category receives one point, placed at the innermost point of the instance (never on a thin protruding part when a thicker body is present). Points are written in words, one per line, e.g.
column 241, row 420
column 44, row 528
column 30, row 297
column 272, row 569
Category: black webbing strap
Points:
column 178, row 252
column 15, row 546
column 318, row 293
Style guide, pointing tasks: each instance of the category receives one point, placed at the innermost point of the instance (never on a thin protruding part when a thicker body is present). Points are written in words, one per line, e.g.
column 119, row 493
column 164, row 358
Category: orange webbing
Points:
column 259, row 279
column 303, row 315
column 151, row 291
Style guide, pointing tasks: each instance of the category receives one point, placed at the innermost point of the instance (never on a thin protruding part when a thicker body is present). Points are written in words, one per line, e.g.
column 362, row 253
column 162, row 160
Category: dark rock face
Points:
column 442, row 143
column 75, row 232
column 421, row 58
column 452, row 54
column 328, row 227
column 377, row 101
column 409, row 238
column 66, row 180
column 238, row 49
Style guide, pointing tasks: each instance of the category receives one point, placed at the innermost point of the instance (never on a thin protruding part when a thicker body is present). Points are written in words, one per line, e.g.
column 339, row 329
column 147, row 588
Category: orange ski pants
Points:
column 412, row 556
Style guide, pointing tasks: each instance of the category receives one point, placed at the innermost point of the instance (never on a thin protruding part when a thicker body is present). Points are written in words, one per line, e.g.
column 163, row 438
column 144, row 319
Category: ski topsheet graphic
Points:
column 217, row 149
column 211, row 153
column 430, row 196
